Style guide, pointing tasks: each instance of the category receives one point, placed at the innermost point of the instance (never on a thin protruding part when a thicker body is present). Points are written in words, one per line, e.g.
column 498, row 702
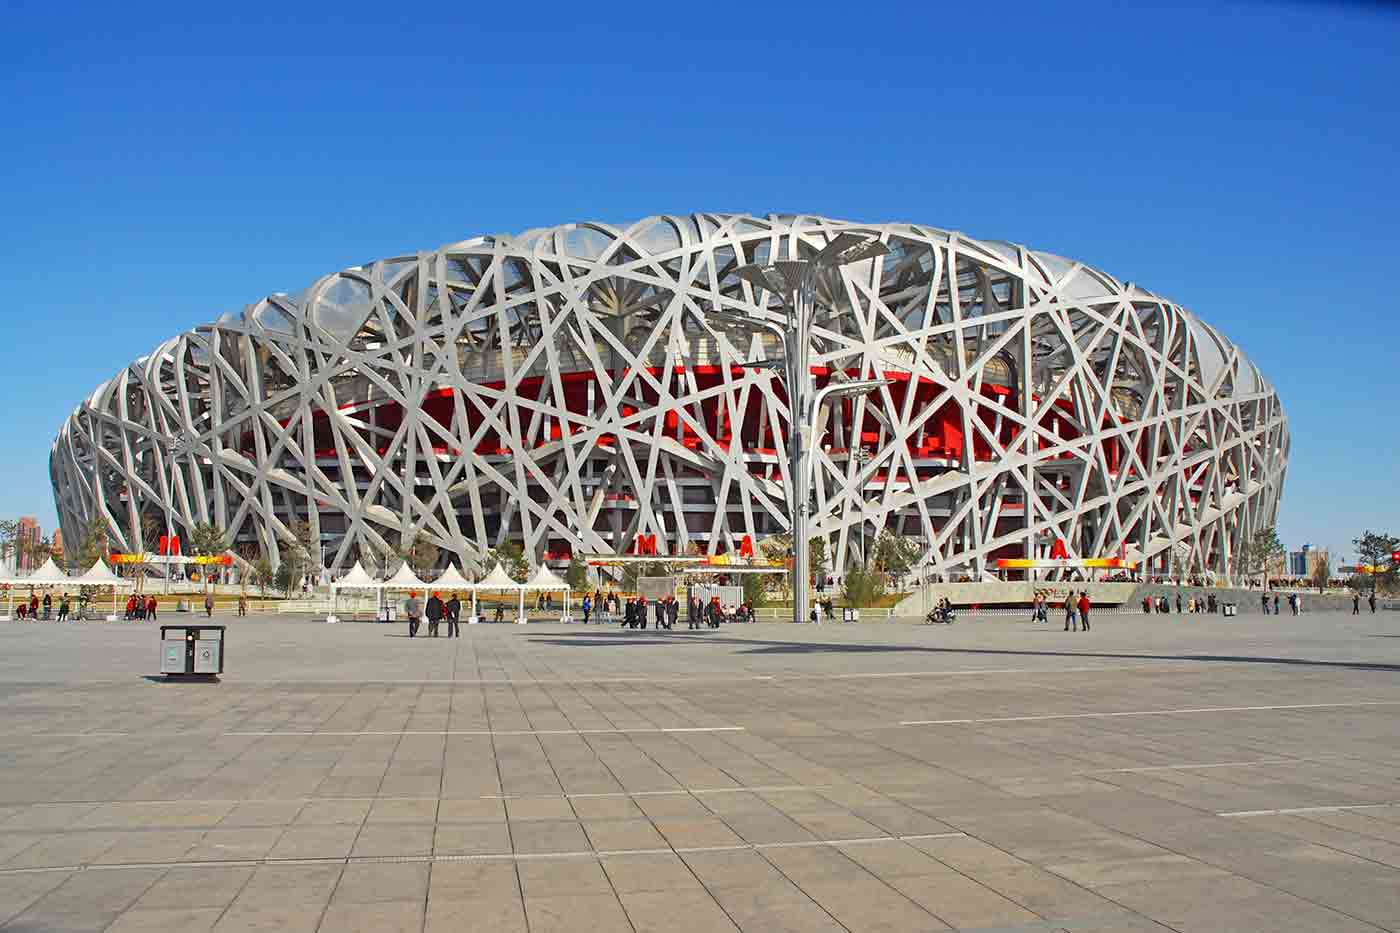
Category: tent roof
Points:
column 404, row 579
column 356, row 579
column 49, row 573
column 451, row 579
column 546, row 579
column 99, row 574
column 498, row 579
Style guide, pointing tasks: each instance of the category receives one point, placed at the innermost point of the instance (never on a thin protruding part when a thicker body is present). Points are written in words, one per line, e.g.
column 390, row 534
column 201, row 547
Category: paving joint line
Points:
column 498, row 856
column 1153, row 712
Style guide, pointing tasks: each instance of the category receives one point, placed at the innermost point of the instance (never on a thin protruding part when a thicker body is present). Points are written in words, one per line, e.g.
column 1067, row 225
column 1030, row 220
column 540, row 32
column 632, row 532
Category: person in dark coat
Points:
column 454, row 615
column 1356, row 604
column 435, row 611
column 629, row 615
column 658, row 609
column 673, row 611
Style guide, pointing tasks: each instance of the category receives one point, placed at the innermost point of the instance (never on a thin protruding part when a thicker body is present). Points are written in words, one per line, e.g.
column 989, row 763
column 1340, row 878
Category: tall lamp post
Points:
column 794, row 282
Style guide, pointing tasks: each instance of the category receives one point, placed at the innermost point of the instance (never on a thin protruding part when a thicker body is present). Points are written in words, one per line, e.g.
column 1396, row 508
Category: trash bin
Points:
column 1230, row 609
column 191, row 649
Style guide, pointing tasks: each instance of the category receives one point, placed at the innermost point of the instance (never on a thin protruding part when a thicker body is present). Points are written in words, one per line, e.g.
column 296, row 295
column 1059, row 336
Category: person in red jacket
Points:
column 1084, row 605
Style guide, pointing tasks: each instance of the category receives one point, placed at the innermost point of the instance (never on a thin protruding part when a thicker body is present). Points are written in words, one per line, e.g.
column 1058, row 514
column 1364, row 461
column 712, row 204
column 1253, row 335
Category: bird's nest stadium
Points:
column 572, row 390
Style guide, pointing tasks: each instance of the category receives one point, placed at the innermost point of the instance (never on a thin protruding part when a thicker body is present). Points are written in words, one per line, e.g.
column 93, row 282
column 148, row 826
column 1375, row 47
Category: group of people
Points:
column 665, row 612
column 1192, row 604
column 138, row 609
column 36, row 610
column 436, row 611
column 1295, row 603
column 1076, row 609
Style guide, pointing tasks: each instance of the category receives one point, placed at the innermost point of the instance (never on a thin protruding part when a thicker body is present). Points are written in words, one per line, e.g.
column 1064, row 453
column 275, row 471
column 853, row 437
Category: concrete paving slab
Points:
column 1158, row 771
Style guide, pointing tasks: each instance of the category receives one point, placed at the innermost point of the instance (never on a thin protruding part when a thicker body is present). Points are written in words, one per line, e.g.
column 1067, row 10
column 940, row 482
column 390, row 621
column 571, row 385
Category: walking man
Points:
column 454, row 615
column 1275, row 604
column 151, row 608
column 1371, row 601
column 242, row 604
column 587, row 608
column 63, row 608
column 1264, row 602
column 208, row 606
column 1356, row 604
column 673, row 611
column 435, row 614
column 1084, row 610
column 1070, row 623
column 414, row 610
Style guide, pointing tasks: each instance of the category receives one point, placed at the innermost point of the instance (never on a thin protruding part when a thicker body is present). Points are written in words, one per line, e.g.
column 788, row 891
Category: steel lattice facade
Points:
column 563, row 389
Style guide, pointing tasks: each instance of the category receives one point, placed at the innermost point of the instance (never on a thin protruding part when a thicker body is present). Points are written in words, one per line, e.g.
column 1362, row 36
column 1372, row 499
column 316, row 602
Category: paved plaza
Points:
column 1156, row 773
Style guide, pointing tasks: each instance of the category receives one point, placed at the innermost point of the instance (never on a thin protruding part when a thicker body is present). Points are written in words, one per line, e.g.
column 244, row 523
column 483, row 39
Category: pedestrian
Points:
column 629, row 615
column 587, row 608
column 435, row 612
column 1178, row 604
column 1084, row 605
column 414, row 610
column 1275, row 604
column 1371, row 601
column 659, row 611
column 242, row 604
column 673, row 611
column 454, row 617
column 1071, row 624
column 208, row 606
column 1264, row 602
column 151, row 607
column 1356, row 604
column 63, row 608
column 1293, row 603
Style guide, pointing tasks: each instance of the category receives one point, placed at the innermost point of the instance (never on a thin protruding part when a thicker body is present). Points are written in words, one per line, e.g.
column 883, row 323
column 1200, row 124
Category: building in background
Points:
column 30, row 534
column 575, row 390
column 1303, row 563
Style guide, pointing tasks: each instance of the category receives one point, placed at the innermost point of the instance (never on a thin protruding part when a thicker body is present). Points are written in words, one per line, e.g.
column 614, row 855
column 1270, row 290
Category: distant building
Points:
column 30, row 534
column 1304, row 562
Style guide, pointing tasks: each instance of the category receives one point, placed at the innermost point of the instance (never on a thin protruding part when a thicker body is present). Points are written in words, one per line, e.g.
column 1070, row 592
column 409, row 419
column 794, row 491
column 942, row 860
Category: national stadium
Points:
column 577, row 391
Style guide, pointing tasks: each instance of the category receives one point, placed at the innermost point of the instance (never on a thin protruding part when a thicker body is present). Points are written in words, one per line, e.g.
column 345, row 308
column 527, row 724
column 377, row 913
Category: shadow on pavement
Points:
column 759, row 646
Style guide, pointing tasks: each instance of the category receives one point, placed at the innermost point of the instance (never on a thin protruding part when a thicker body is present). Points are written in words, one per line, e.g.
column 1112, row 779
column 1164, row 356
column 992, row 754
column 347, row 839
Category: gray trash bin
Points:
column 191, row 649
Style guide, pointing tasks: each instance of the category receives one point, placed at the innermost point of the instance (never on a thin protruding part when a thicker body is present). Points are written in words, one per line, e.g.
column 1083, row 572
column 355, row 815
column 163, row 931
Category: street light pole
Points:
column 795, row 282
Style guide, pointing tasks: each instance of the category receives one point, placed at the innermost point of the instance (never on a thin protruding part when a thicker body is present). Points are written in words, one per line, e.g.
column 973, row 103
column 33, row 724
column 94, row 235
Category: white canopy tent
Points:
column 404, row 579
column 356, row 579
column 452, row 579
column 46, row 577
column 499, row 580
column 99, row 574
column 546, row 580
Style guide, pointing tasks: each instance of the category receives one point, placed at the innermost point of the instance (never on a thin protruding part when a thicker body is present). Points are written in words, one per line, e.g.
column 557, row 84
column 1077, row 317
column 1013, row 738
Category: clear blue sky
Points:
column 162, row 164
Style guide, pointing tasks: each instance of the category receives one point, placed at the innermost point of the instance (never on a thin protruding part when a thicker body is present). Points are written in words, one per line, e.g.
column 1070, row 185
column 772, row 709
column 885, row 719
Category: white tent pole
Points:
column 522, row 603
